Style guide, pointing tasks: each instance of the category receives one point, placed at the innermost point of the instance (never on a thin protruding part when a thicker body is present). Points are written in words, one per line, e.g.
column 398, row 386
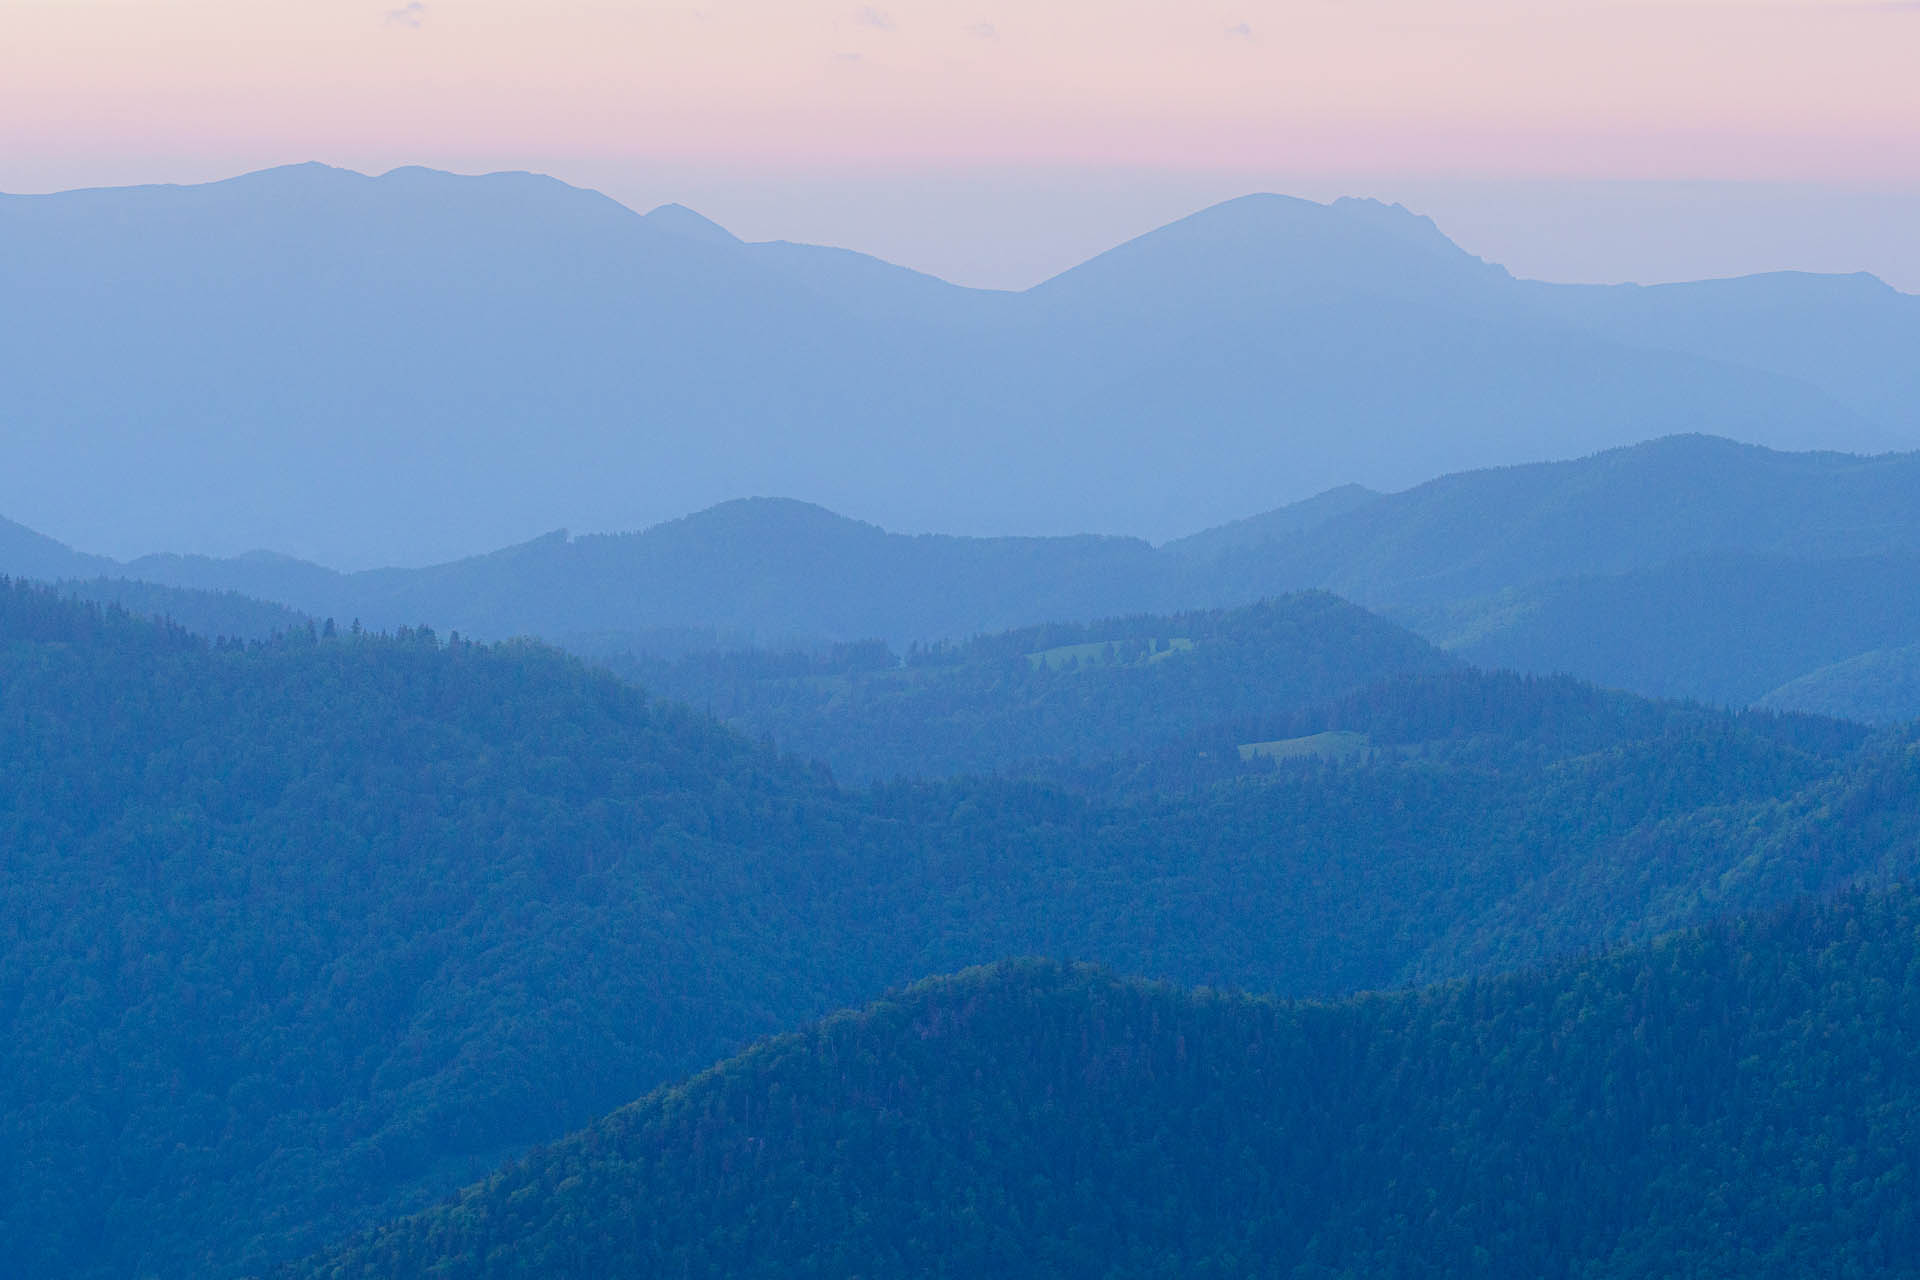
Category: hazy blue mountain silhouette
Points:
column 754, row 571
column 1668, row 500
column 1727, row 629
column 682, row 221
column 1852, row 336
column 1271, row 526
column 1881, row 686
column 1686, row 567
column 26, row 554
column 1689, row 566
column 412, row 367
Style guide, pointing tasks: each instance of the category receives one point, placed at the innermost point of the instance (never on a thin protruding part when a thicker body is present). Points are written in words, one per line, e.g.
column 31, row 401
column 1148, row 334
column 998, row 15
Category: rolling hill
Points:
column 215, row 615
column 1880, row 686
column 1683, row 497
column 26, row 554
column 769, row 571
column 1727, row 629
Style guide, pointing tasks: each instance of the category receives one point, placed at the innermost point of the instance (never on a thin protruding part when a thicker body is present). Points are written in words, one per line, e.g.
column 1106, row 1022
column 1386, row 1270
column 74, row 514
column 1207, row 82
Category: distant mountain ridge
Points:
column 407, row 368
column 769, row 571
column 1879, row 686
column 774, row 572
column 1684, row 567
column 1272, row 526
column 26, row 554
column 1475, row 532
column 1725, row 628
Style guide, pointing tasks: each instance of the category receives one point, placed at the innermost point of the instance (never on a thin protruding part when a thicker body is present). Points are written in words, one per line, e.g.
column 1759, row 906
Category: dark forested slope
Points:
column 1065, row 692
column 298, row 935
column 213, row 614
column 1491, row 821
column 1734, row 1102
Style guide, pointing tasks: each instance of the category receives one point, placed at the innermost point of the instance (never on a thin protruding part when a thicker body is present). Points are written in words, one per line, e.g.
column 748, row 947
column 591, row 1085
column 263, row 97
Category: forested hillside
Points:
column 1739, row 1101
column 1881, row 686
column 1727, row 629
column 1686, row 496
column 214, row 614
column 758, row 571
column 1493, row 821
column 1064, row 692
column 301, row 935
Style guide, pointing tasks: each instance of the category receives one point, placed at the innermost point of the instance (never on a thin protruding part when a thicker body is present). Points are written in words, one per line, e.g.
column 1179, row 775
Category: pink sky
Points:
column 778, row 116
column 1788, row 89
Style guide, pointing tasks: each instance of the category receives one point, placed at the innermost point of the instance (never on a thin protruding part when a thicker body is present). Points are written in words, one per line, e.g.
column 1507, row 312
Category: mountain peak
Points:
column 1349, row 221
column 1252, row 243
column 677, row 219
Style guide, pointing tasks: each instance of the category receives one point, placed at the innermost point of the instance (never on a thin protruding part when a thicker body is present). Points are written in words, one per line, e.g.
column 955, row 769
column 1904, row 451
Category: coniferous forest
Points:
column 308, row 933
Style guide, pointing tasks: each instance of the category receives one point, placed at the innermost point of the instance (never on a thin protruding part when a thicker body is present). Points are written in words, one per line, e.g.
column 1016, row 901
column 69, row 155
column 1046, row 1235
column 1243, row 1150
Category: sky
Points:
column 994, row 143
